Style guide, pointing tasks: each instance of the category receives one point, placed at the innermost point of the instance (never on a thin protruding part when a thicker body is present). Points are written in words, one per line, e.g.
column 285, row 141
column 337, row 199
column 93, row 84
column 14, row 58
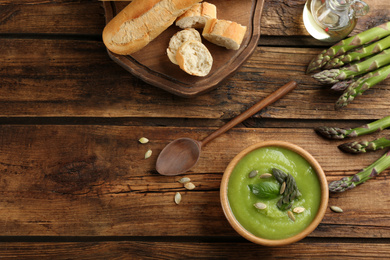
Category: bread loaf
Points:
column 194, row 58
column 140, row 22
column 197, row 16
column 178, row 39
column 224, row 33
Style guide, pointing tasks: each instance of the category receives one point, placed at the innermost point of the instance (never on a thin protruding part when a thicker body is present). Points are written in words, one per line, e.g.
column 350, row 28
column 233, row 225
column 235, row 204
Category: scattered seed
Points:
column 291, row 215
column 148, row 154
column 265, row 176
column 189, row 186
column 260, row 205
column 143, row 140
column 184, row 180
column 298, row 210
column 177, row 198
column 253, row 174
column 336, row 209
column 282, row 188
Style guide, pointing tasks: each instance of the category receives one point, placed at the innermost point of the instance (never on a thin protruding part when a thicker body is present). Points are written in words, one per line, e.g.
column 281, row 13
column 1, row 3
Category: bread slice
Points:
column 194, row 58
column 178, row 39
column 140, row 22
column 224, row 33
column 197, row 16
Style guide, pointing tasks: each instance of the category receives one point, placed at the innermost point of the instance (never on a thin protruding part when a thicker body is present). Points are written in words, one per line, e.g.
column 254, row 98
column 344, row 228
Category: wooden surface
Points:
column 74, row 182
column 153, row 66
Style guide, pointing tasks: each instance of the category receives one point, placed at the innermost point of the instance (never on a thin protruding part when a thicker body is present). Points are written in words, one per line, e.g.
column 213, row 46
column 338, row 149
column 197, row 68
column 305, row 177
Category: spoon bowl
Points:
column 178, row 156
column 182, row 154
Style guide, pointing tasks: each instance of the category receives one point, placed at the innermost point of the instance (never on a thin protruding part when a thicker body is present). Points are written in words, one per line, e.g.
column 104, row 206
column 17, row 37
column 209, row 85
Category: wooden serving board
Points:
column 151, row 64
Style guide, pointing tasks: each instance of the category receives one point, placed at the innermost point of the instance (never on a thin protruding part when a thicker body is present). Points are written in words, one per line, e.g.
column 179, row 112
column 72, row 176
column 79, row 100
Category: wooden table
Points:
column 74, row 182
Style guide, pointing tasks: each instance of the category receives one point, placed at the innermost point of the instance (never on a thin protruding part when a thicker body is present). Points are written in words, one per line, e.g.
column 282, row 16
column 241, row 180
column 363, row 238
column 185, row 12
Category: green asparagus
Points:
column 358, row 54
column 362, row 84
column 371, row 171
column 350, row 43
column 365, row 146
column 335, row 75
column 341, row 133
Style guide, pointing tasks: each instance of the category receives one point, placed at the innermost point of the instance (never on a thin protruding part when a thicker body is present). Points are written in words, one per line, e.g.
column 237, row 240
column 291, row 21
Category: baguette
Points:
column 197, row 16
column 140, row 22
column 194, row 58
column 178, row 39
column 224, row 33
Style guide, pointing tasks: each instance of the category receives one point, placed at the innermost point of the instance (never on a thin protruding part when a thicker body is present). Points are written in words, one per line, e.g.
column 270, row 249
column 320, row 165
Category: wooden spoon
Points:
column 182, row 154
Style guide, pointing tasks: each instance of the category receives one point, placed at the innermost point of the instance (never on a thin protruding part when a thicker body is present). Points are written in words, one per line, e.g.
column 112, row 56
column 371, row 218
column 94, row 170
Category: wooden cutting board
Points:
column 151, row 64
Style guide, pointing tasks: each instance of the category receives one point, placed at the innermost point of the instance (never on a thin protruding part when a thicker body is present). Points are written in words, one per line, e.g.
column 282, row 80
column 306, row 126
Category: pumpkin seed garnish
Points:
column 177, row 198
column 189, row 186
column 143, row 140
column 260, row 205
column 253, row 173
column 148, row 154
column 282, row 188
column 291, row 215
column 298, row 210
column 336, row 209
column 184, row 180
column 265, row 176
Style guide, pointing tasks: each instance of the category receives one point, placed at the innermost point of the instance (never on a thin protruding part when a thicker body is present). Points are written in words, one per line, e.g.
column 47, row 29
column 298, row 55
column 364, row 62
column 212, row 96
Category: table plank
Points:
column 305, row 249
column 280, row 17
column 62, row 78
column 94, row 181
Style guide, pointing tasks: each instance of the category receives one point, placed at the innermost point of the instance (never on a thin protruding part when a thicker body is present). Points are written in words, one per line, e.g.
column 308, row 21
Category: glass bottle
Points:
column 332, row 20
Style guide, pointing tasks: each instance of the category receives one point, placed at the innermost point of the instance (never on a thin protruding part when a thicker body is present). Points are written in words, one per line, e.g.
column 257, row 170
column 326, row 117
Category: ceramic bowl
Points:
column 269, row 242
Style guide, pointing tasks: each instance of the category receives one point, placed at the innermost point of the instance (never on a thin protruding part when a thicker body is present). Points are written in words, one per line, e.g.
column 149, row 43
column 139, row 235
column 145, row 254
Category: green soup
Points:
column 273, row 223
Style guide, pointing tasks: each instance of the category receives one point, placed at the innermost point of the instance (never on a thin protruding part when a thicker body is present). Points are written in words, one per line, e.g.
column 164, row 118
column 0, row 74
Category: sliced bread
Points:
column 224, row 33
column 140, row 22
column 197, row 16
column 178, row 39
column 194, row 58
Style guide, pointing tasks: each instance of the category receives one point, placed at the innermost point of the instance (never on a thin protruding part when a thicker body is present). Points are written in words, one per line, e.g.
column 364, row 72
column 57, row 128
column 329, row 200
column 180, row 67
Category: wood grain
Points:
column 76, row 78
column 306, row 249
column 94, row 181
column 280, row 17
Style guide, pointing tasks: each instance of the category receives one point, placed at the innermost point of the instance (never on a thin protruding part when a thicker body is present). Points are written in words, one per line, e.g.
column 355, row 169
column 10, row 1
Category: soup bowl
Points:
column 251, row 193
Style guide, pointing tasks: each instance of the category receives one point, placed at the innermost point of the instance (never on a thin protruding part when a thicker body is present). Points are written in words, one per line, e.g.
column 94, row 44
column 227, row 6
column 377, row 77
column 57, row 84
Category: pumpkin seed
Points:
column 177, row 198
column 336, row 209
column 265, row 176
column 189, row 186
column 148, row 154
column 260, row 205
column 291, row 215
column 282, row 188
column 298, row 210
column 253, row 173
column 184, row 180
column 143, row 140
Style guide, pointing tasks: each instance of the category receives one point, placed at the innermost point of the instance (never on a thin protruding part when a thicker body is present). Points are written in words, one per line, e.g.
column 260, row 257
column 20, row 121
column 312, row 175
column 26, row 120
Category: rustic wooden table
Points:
column 74, row 182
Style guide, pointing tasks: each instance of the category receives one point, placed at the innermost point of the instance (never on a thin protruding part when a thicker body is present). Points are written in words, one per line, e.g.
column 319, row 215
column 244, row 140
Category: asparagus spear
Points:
column 350, row 43
column 359, row 54
column 342, row 85
column 335, row 75
column 341, row 133
column 371, row 171
column 362, row 84
column 365, row 146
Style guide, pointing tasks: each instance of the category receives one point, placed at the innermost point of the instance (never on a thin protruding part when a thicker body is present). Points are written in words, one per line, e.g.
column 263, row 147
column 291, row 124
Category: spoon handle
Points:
column 279, row 93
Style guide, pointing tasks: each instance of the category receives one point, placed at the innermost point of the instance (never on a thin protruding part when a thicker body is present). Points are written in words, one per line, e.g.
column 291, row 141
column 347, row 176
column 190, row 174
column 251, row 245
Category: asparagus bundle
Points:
column 341, row 133
column 350, row 43
column 371, row 171
column 335, row 75
column 362, row 84
column 365, row 146
column 357, row 55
